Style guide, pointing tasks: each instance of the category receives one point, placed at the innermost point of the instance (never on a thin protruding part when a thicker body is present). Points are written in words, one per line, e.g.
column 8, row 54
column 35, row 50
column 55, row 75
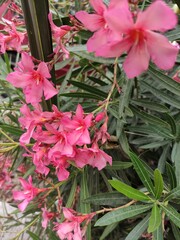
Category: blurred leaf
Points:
column 174, row 193
column 117, row 165
column 89, row 88
column 174, row 34
column 128, row 191
column 108, row 230
column 142, row 172
column 172, row 214
column 138, row 230
column 91, row 57
column 112, row 199
column 158, row 184
column 175, row 156
column 121, row 214
column 155, row 219
column 165, row 81
column 163, row 158
column 11, row 129
column 171, row 175
column 97, row 80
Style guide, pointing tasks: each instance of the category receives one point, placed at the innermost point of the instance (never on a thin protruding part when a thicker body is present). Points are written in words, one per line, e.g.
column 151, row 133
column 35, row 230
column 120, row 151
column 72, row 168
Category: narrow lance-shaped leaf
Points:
column 158, row 183
column 175, row 156
column 142, row 172
column 174, row 193
column 121, row 214
column 172, row 214
column 155, row 219
column 128, row 191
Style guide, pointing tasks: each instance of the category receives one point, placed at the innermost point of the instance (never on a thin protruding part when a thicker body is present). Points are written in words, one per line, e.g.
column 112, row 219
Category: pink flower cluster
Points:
column 70, row 228
column 117, row 31
column 62, row 138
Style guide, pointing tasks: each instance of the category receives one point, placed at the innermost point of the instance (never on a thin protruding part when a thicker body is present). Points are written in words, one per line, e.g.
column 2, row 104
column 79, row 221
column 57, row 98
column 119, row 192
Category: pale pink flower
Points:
column 140, row 39
column 61, row 164
column 78, row 127
column 58, row 35
column 70, row 229
column 34, row 82
column 97, row 23
column 28, row 194
column 12, row 39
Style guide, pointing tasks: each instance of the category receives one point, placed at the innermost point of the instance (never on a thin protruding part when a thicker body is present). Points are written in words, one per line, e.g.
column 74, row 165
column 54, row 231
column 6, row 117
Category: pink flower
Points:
column 140, row 39
column 58, row 34
column 78, row 126
column 33, row 81
column 28, row 194
column 97, row 23
column 70, row 229
column 13, row 39
column 93, row 156
column 47, row 216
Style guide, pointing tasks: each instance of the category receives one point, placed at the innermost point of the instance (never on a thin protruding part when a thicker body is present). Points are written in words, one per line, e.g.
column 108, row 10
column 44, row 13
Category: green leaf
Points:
column 172, row 214
column 128, row 191
column 149, row 117
column 150, row 105
column 176, row 231
column 117, row 165
column 33, row 235
column 72, row 194
column 174, row 193
column 171, row 175
column 82, row 95
column 138, row 230
column 121, row 214
column 91, row 57
column 108, row 230
column 165, row 81
column 175, row 156
column 11, row 129
column 155, row 219
column 112, row 199
column 142, row 172
column 167, row 98
column 158, row 234
column 89, row 88
column 158, row 183
column 174, row 34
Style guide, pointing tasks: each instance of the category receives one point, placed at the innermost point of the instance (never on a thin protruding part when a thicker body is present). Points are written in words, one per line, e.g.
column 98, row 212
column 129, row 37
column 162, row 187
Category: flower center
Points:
column 137, row 36
column 37, row 77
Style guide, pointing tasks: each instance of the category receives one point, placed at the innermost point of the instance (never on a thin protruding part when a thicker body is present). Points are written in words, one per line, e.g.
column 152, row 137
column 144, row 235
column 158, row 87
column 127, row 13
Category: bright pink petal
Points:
column 158, row 16
column 26, row 63
column 119, row 20
column 91, row 21
column 22, row 206
column 62, row 174
column 18, row 195
column 114, row 49
column 33, row 93
column 98, row 6
column 162, row 52
column 118, row 4
column 18, row 79
column 43, row 70
column 25, row 137
column 49, row 90
column 137, row 61
column 68, row 214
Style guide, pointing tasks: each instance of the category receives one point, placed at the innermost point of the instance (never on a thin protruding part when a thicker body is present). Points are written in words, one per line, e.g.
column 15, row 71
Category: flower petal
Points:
column 137, row 61
column 49, row 90
column 162, row 52
column 91, row 21
column 43, row 70
column 98, row 6
column 158, row 16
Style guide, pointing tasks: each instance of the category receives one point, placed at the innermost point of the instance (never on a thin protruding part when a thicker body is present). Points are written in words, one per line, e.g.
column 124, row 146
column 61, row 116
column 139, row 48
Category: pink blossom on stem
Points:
column 140, row 38
column 97, row 23
column 28, row 194
column 12, row 39
column 34, row 82
column 58, row 34
column 70, row 229
column 47, row 216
